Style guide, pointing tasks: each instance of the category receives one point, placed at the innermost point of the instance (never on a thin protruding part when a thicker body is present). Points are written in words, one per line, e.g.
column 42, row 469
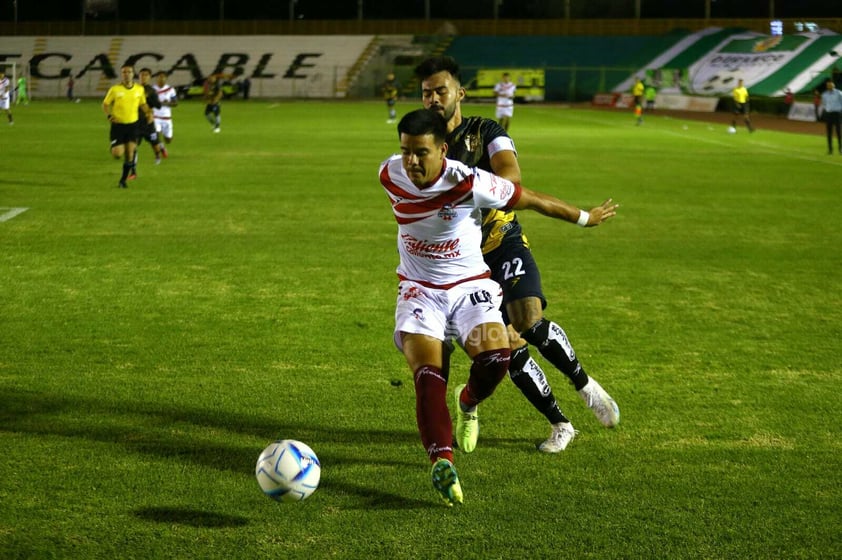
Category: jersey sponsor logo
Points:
column 442, row 250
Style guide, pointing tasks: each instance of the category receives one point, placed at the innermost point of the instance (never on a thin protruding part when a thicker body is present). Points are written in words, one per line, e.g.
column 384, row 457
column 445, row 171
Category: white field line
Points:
column 10, row 213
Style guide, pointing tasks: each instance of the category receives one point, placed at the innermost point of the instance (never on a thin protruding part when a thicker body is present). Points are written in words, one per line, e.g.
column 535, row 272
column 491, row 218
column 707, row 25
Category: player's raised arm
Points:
column 553, row 207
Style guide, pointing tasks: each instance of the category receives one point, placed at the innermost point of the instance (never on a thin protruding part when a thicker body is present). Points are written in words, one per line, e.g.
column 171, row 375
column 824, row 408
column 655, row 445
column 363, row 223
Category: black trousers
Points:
column 833, row 121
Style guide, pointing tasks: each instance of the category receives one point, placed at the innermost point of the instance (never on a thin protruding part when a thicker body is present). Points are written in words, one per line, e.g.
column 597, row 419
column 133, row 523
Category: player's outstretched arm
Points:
column 556, row 208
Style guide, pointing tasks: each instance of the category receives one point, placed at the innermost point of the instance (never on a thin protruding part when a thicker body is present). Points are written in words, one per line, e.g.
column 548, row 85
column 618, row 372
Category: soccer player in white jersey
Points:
column 163, row 115
column 6, row 95
column 505, row 90
column 445, row 289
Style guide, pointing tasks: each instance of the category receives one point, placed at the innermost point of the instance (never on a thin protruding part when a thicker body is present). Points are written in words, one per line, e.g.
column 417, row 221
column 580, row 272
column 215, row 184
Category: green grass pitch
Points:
column 153, row 340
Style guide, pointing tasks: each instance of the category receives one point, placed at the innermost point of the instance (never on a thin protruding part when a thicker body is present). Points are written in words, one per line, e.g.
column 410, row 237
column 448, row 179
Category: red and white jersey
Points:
column 439, row 232
column 505, row 94
column 165, row 93
column 5, row 88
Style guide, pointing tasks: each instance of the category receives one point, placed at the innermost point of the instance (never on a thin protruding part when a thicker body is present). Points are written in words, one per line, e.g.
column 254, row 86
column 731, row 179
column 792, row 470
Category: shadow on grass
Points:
column 191, row 435
column 190, row 517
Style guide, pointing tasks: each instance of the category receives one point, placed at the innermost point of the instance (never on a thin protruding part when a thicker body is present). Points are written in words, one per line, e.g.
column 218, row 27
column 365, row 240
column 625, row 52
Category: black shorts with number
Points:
column 123, row 133
column 514, row 268
column 146, row 131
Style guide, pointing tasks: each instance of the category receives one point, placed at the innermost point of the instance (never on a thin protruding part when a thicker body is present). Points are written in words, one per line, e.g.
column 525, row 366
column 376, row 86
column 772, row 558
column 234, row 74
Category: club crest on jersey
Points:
column 471, row 142
column 447, row 212
column 412, row 292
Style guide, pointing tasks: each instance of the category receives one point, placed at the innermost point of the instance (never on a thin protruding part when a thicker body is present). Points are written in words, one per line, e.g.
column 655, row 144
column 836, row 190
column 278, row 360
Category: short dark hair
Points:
column 423, row 121
column 438, row 64
column 159, row 72
column 144, row 69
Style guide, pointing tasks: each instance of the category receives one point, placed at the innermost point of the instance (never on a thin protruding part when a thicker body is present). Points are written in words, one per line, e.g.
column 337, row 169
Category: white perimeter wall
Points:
column 278, row 66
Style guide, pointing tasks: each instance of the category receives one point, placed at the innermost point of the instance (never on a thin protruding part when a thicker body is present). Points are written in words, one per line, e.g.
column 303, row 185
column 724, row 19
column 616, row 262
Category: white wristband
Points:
column 583, row 218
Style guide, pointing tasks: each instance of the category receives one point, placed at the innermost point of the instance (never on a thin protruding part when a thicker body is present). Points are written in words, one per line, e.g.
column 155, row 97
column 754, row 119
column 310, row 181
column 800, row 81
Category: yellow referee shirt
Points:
column 125, row 102
column 740, row 94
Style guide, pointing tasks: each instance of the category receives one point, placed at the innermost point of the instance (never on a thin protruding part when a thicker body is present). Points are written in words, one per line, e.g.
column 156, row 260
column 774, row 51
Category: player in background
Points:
column 146, row 130
column 213, row 95
column 22, row 96
column 650, row 94
column 740, row 96
column 163, row 115
column 6, row 95
column 638, row 89
column 122, row 105
column 482, row 143
column 831, row 114
column 445, row 287
column 505, row 90
column 390, row 89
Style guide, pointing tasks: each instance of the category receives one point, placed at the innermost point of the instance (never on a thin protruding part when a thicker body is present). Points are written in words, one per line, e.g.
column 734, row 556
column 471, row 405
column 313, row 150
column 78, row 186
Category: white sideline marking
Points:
column 12, row 212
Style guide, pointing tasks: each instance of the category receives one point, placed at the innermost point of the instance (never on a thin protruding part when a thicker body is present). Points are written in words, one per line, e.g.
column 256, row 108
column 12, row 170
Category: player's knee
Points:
column 527, row 318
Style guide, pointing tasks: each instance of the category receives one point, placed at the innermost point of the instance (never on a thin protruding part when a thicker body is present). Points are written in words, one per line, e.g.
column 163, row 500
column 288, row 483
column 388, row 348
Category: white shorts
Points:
column 4, row 102
column 505, row 111
column 164, row 127
column 443, row 314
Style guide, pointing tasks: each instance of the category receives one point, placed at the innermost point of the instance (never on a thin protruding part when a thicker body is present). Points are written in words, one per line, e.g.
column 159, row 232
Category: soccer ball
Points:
column 732, row 130
column 288, row 471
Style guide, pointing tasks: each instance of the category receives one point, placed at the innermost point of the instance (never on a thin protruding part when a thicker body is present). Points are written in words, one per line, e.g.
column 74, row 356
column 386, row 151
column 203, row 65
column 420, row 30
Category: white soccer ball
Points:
column 288, row 471
column 732, row 130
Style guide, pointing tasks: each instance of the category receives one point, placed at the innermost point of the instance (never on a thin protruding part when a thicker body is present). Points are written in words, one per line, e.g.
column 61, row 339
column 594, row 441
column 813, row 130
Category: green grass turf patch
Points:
column 153, row 340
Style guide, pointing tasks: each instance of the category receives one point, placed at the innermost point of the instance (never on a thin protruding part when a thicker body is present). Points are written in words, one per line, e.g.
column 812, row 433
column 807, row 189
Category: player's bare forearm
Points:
column 556, row 208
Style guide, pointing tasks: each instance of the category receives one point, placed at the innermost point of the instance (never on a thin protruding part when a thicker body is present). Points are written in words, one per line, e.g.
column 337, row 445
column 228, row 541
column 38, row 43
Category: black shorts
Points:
column 514, row 268
column 740, row 108
column 212, row 108
column 146, row 131
column 123, row 133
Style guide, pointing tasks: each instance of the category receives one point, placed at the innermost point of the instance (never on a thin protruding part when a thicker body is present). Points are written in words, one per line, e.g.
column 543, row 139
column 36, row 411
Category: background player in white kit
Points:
column 6, row 95
column 163, row 115
column 505, row 90
column 445, row 287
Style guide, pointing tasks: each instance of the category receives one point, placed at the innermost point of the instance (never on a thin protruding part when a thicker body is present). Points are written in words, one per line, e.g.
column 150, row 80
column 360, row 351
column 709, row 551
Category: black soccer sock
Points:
column 531, row 381
column 127, row 166
column 551, row 341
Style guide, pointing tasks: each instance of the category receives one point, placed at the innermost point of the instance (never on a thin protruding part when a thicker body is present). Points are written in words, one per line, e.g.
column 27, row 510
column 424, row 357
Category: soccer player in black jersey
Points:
column 481, row 142
column 146, row 129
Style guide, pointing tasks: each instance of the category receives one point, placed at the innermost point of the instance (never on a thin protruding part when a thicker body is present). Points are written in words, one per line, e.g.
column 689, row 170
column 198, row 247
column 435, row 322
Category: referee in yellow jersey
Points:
column 121, row 105
column 740, row 96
